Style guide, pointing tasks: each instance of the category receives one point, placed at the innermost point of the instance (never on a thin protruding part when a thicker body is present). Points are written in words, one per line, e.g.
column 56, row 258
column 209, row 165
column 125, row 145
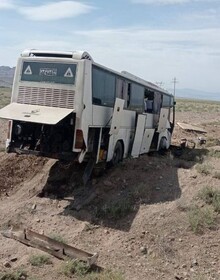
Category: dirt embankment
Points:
column 136, row 216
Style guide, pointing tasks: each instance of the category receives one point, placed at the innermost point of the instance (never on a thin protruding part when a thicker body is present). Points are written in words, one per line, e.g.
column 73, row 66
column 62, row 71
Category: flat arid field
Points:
column 154, row 217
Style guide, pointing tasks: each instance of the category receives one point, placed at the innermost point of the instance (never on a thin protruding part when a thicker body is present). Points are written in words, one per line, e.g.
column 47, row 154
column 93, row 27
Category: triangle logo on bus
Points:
column 28, row 70
column 69, row 73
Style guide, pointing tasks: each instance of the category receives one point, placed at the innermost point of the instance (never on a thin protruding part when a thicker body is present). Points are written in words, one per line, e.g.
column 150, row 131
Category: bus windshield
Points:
column 48, row 72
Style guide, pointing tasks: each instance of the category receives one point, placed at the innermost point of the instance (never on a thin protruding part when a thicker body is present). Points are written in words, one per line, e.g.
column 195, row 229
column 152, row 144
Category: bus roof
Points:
column 79, row 55
column 70, row 54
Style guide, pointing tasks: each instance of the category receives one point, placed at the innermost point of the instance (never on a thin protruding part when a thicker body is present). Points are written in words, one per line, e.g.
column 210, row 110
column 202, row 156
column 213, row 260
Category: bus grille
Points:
column 51, row 97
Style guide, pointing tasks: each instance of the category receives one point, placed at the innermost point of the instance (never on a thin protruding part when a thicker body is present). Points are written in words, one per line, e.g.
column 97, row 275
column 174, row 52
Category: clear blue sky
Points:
column 154, row 39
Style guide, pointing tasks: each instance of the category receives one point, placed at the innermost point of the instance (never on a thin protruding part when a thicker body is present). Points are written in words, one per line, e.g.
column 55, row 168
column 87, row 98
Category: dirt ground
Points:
column 137, row 217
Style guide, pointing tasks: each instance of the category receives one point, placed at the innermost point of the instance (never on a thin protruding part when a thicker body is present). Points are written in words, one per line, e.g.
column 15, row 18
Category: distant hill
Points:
column 6, row 76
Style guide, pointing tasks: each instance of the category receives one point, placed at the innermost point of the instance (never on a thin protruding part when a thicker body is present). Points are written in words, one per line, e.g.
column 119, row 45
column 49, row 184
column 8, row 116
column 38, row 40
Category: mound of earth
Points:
column 16, row 169
column 136, row 216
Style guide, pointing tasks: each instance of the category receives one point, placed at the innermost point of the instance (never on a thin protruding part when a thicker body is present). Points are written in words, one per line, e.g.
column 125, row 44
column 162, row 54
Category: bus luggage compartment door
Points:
column 138, row 136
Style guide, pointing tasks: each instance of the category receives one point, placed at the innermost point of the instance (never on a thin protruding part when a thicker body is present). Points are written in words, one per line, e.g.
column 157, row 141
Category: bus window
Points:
column 122, row 90
column 166, row 101
column 103, row 87
column 157, row 103
column 148, row 100
column 137, row 97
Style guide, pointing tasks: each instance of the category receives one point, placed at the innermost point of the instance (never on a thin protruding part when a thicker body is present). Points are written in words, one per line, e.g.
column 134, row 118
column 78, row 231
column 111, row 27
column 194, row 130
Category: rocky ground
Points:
column 139, row 216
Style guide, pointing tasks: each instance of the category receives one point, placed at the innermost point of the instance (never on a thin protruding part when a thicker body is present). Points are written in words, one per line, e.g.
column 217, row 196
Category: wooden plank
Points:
column 186, row 126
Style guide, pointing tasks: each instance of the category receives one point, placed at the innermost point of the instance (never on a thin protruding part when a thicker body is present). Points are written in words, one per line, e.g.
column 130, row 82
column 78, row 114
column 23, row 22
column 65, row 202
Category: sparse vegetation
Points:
column 104, row 275
column 5, row 96
column 211, row 196
column 216, row 175
column 115, row 209
column 193, row 155
column 204, row 168
column 211, row 142
column 58, row 238
column 39, row 260
column 201, row 218
column 83, row 272
column 18, row 275
column 214, row 153
column 197, row 106
column 74, row 267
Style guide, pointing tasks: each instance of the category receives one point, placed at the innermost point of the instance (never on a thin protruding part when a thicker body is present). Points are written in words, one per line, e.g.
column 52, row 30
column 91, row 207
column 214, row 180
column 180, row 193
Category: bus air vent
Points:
column 46, row 97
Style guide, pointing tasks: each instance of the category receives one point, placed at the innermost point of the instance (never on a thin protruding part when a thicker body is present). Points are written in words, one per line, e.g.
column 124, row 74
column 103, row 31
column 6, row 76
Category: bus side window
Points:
column 148, row 101
column 103, row 87
column 157, row 103
column 166, row 101
column 122, row 90
column 136, row 97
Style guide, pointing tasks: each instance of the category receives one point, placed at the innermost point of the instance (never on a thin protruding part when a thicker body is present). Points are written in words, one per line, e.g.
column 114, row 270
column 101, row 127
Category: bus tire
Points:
column 163, row 144
column 117, row 155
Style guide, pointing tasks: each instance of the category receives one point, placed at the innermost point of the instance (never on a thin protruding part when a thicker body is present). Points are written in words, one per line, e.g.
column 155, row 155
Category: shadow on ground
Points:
column 113, row 199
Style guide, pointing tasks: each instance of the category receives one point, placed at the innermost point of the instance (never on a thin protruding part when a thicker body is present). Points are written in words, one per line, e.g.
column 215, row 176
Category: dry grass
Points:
column 16, row 275
column 5, row 96
column 201, row 218
column 115, row 209
column 39, row 260
column 204, row 169
column 211, row 196
column 197, row 106
column 74, row 267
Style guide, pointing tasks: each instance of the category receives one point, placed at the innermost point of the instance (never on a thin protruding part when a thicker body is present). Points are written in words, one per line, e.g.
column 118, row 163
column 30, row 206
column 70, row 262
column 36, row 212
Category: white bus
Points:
column 66, row 106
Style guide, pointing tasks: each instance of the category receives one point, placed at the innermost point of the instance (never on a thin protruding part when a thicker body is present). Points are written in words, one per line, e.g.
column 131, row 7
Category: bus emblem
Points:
column 28, row 70
column 69, row 73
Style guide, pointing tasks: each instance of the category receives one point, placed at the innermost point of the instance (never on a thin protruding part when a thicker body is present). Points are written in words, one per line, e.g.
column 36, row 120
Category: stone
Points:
column 178, row 277
column 107, row 183
column 7, row 264
column 34, row 206
column 172, row 238
column 194, row 263
column 143, row 250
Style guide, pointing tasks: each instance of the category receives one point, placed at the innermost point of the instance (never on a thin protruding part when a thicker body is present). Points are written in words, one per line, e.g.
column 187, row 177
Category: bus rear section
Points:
column 45, row 104
column 45, row 139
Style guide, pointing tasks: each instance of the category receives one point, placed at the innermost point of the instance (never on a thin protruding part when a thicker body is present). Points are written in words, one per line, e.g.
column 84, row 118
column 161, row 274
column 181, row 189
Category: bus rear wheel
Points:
column 117, row 155
column 163, row 145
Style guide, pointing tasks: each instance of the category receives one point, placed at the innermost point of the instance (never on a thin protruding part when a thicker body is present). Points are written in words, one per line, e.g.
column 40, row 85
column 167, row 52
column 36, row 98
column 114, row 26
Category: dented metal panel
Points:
column 147, row 139
column 138, row 136
column 34, row 113
column 163, row 119
column 117, row 116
